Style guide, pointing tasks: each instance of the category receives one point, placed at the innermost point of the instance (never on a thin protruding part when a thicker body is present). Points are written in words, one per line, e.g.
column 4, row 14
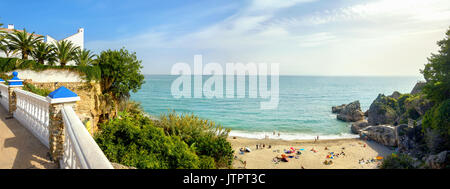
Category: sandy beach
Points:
column 263, row 158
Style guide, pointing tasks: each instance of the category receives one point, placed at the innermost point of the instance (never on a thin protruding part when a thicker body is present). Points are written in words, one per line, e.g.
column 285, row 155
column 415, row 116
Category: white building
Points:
column 77, row 39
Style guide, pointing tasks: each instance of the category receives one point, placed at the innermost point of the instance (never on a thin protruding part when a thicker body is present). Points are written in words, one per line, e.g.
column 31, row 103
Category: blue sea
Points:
column 303, row 112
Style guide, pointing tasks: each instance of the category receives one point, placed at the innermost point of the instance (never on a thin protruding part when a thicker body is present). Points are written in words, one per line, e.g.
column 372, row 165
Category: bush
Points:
column 401, row 161
column 207, row 138
column 11, row 64
column 133, row 140
column 401, row 102
column 207, row 162
column 36, row 90
column 436, row 72
column 438, row 118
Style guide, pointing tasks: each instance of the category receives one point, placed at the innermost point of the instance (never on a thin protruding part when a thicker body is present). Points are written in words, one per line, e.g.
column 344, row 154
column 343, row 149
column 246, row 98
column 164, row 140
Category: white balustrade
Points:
column 80, row 149
column 4, row 96
column 32, row 111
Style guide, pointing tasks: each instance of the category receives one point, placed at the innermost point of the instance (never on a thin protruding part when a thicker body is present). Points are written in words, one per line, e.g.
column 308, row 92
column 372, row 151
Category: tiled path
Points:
column 19, row 149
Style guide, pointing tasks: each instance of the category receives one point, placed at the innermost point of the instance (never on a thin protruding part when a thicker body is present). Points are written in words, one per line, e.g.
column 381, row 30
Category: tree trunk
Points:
column 24, row 55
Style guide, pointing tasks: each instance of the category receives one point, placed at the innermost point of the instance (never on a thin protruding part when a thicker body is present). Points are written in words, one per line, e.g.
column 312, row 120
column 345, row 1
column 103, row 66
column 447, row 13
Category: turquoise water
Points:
column 304, row 109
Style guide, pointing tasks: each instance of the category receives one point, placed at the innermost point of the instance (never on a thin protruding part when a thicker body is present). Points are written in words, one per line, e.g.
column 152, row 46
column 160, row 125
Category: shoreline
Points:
column 289, row 136
column 263, row 158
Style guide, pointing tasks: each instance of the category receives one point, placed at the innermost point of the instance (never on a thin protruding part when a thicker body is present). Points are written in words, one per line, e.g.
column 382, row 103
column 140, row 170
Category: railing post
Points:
column 14, row 83
column 58, row 99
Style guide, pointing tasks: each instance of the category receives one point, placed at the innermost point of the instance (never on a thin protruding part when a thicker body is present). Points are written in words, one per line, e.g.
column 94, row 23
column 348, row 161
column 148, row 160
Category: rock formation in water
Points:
column 396, row 121
column 383, row 110
column 350, row 112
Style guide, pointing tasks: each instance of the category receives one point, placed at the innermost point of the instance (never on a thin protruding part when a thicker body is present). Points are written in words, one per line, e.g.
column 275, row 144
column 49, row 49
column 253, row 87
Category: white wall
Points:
column 49, row 75
column 77, row 39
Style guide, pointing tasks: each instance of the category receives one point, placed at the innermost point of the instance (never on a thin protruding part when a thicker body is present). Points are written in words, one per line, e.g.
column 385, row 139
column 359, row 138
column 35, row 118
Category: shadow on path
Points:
column 19, row 149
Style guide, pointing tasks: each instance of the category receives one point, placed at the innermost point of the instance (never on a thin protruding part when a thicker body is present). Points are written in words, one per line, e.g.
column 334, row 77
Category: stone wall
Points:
column 89, row 107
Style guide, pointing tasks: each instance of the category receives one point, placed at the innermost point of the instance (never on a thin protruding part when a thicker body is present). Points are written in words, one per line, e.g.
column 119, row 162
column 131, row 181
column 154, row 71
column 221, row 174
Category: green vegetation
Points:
column 23, row 41
column 127, row 135
column 436, row 72
column 65, row 51
column 43, row 52
column 121, row 73
column 36, row 90
column 133, row 139
column 10, row 64
column 84, row 57
column 208, row 138
column 401, row 102
column 401, row 161
column 437, row 89
column 438, row 118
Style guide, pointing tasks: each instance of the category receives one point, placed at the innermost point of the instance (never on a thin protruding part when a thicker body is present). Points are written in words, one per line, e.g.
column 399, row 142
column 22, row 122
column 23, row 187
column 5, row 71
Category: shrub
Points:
column 207, row 162
column 10, row 64
column 401, row 102
column 207, row 138
column 438, row 118
column 436, row 72
column 36, row 90
column 401, row 161
column 133, row 140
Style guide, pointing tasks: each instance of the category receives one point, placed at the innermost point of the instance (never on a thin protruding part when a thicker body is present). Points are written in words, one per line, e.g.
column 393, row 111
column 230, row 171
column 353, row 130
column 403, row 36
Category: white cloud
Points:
column 361, row 39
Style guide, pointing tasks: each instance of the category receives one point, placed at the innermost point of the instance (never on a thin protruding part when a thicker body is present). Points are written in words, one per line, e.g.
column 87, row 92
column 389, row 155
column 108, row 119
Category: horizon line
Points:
column 310, row 75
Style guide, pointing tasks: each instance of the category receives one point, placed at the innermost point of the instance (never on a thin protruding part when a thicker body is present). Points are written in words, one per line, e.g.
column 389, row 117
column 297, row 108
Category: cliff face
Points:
column 89, row 108
column 396, row 121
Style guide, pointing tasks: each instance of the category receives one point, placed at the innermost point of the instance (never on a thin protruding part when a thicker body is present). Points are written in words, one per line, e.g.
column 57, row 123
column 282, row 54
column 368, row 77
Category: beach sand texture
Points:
column 263, row 158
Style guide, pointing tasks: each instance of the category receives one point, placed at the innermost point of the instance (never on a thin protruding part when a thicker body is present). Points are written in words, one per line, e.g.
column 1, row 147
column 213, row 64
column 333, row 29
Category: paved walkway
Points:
column 19, row 149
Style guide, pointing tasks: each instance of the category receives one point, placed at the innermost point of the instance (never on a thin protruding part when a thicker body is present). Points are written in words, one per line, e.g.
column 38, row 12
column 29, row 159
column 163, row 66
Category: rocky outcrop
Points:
column 350, row 112
column 356, row 127
column 418, row 88
column 337, row 109
column 383, row 134
column 383, row 110
column 410, row 139
column 395, row 95
column 438, row 161
column 417, row 105
column 89, row 108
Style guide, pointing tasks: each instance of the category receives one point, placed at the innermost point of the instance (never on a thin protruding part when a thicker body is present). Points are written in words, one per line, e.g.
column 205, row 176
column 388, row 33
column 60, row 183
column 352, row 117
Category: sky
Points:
column 306, row 37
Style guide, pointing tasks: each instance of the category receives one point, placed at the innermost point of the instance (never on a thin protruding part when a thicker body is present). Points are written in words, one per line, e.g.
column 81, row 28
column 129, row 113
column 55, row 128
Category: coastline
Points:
column 263, row 158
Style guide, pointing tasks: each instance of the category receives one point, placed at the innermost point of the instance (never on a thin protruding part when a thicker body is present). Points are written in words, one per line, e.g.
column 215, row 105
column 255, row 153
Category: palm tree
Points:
column 23, row 41
column 43, row 52
column 84, row 57
column 6, row 49
column 65, row 51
